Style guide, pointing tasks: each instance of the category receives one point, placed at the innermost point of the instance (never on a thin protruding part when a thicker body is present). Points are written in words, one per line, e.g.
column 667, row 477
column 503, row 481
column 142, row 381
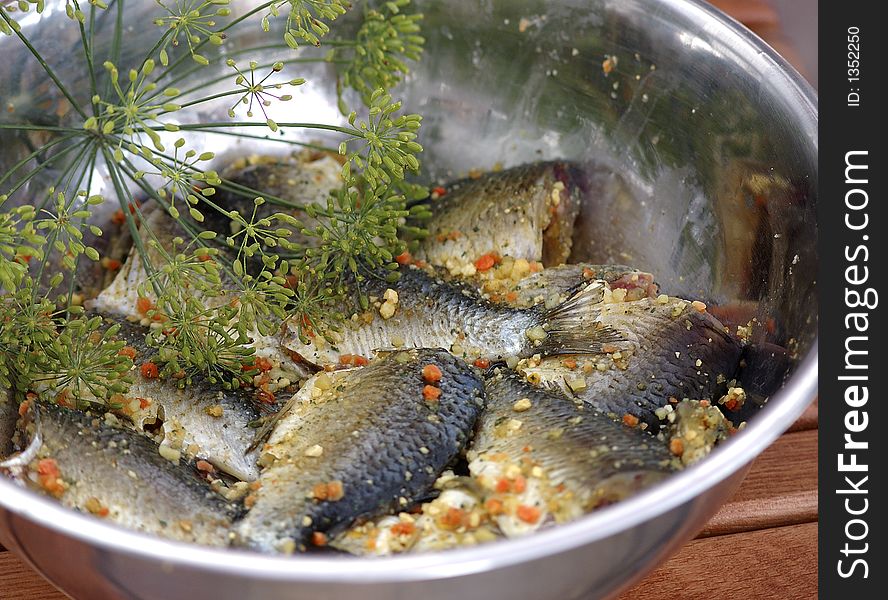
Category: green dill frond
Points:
column 387, row 147
column 196, row 341
column 83, row 363
column 19, row 243
column 232, row 275
column 387, row 39
column 305, row 19
column 191, row 20
column 181, row 180
column 258, row 91
column 136, row 110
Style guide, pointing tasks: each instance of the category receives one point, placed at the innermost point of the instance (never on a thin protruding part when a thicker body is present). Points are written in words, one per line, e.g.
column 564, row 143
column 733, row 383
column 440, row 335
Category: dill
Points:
column 240, row 262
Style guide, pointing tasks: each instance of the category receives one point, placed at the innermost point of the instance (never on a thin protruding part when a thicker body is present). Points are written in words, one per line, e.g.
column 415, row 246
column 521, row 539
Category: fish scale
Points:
column 372, row 426
column 433, row 313
column 662, row 363
column 122, row 471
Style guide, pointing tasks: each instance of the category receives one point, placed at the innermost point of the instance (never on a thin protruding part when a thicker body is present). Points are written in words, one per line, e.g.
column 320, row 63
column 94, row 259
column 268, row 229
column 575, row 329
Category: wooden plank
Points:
column 19, row 582
column 769, row 563
column 808, row 420
column 780, row 489
column 789, row 465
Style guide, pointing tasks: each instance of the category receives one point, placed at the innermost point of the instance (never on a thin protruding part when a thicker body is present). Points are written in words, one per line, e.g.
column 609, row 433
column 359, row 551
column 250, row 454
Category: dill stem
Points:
column 88, row 55
column 34, row 154
column 44, row 65
column 203, row 84
column 279, row 140
column 27, row 127
column 38, row 169
column 125, row 198
column 191, row 126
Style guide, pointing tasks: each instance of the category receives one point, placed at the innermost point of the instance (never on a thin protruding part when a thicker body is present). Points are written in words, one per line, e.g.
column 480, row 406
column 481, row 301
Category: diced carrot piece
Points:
column 431, row 374
column 318, row 538
column 403, row 528
column 528, row 514
column 486, row 262
column 143, row 305
column 630, row 420
column 676, row 446
column 149, row 370
column 403, row 258
column 128, row 351
column 431, row 393
column 482, row 363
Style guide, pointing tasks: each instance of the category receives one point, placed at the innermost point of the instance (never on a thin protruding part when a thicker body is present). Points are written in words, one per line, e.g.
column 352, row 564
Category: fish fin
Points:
column 572, row 326
column 266, row 424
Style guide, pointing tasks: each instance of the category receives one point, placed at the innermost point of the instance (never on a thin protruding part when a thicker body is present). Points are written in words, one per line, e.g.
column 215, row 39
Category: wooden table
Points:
column 761, row 544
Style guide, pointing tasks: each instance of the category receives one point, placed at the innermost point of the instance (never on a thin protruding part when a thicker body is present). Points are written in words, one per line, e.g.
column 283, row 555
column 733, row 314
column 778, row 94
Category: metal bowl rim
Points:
column 784, row 407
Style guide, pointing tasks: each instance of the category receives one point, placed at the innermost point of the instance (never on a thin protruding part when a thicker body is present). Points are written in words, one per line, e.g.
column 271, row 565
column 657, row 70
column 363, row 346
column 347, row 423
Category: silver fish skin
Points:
column 202, row 419
column 433, row 313
column 108, row 468
column 525, row 212
column 551, row 285
column 359, row 444
column 540, row 450
column 677, row 351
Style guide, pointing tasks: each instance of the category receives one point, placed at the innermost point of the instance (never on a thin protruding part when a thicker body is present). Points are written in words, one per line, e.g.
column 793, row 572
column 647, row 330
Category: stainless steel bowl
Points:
column 704, row 149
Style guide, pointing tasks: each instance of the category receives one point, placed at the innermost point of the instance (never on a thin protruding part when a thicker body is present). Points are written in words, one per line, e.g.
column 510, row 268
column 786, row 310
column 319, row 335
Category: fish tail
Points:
column 572, row 326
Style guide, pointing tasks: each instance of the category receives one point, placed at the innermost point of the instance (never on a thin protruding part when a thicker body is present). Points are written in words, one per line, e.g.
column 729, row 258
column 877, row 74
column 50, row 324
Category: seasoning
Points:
column 149, row 370
column 431, row 374
column 431, row 393
column 528, row 514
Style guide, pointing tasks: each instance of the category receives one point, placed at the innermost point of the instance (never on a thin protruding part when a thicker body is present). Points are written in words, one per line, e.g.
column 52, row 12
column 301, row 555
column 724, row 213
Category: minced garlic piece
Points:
column 522, row 405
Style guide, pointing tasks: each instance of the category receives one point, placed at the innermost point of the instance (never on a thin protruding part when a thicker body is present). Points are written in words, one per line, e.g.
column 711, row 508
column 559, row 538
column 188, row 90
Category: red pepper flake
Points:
column 676, row 446
column 482, row 363
column 265, row 397
column 528, row 514
column 149, row 370
column 144, row 403
column 588, row 273
column 527, row 449
column 127, row 351
column 536, row 267
column 431, row 374
column 263, row 364
column 23, row 407
column 403, row 529
column 487, row 261
column 118, row 218
column 630, row 420
column 453, row 518
column 503, row 485
column 519, row 485
column 569, row 363
column 205, row 467
column 431, row 393
column 318, row 538
column 404, row 258
column 731, row 404
column 143, row 305
column 438, row 191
